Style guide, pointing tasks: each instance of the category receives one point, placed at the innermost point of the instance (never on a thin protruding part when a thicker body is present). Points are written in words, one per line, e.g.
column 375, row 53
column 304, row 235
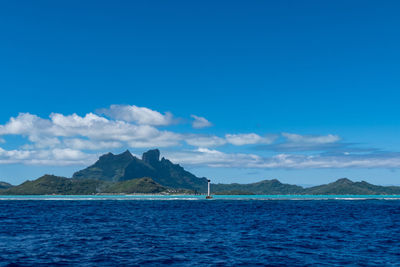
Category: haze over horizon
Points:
column 238, row 92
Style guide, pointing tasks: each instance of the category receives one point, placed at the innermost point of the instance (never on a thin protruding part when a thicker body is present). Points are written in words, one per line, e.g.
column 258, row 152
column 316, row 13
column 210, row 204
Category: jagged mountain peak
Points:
column 108, row 167
column 151, row 157
column 109, row 155
column 127, row 153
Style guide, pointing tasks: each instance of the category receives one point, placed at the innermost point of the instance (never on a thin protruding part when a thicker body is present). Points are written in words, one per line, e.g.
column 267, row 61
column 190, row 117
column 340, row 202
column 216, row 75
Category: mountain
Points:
column 345, row 186
column 109, row 167
column 170, row 174
column 4, row 185
column 266, row 187
column 125, row 166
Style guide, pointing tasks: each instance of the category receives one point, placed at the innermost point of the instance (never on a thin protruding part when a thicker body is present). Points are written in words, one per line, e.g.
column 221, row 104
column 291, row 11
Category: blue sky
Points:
column 302, row 91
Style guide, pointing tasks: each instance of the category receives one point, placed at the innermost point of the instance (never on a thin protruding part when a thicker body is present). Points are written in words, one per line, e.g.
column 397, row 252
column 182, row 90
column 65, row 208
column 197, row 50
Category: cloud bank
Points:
column 215, row 158
column 78, row 140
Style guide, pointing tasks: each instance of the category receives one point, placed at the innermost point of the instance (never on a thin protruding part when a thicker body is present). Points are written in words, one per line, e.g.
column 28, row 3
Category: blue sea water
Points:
column 188, row 231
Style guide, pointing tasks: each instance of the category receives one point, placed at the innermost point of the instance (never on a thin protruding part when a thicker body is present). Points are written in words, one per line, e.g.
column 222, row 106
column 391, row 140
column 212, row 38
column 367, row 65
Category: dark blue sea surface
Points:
column 199, row 232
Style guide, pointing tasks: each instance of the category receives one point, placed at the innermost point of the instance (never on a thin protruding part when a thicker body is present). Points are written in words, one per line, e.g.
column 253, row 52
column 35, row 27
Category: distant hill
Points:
column 50, row 184
column 345, row 186
column 4, row 185
column 266, row 187
column 125, row 166
column 342, row 186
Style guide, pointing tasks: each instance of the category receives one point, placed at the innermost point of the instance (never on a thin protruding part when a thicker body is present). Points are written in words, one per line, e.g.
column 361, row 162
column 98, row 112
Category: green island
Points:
column 127, row 174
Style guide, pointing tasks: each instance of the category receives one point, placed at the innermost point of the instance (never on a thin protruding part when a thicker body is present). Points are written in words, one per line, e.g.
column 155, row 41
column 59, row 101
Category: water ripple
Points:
column 205, row 233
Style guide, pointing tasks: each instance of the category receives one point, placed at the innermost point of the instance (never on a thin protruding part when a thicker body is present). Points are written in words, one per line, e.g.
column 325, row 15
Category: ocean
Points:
column 191, row 231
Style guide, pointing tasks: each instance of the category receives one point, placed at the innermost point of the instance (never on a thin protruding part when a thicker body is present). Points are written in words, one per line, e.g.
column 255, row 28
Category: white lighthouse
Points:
column 208, row 192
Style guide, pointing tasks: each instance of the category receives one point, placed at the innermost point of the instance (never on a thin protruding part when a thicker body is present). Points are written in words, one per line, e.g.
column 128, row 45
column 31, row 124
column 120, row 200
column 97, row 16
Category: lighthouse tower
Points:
column 208, row 192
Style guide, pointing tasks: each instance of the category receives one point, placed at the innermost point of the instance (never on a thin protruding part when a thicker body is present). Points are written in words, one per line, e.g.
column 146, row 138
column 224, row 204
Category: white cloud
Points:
column 297, row 142
column 99, row 130
column 25, row 124
column 248, row 139
column 205, row 140
column 214, row 158
column 311, row 139
column 53, row 157
column 44, row 141
column 82, row 144
column 74, row 122
column 200, row 122
column 157, row 139
column 139, row 115
column 292, row 161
